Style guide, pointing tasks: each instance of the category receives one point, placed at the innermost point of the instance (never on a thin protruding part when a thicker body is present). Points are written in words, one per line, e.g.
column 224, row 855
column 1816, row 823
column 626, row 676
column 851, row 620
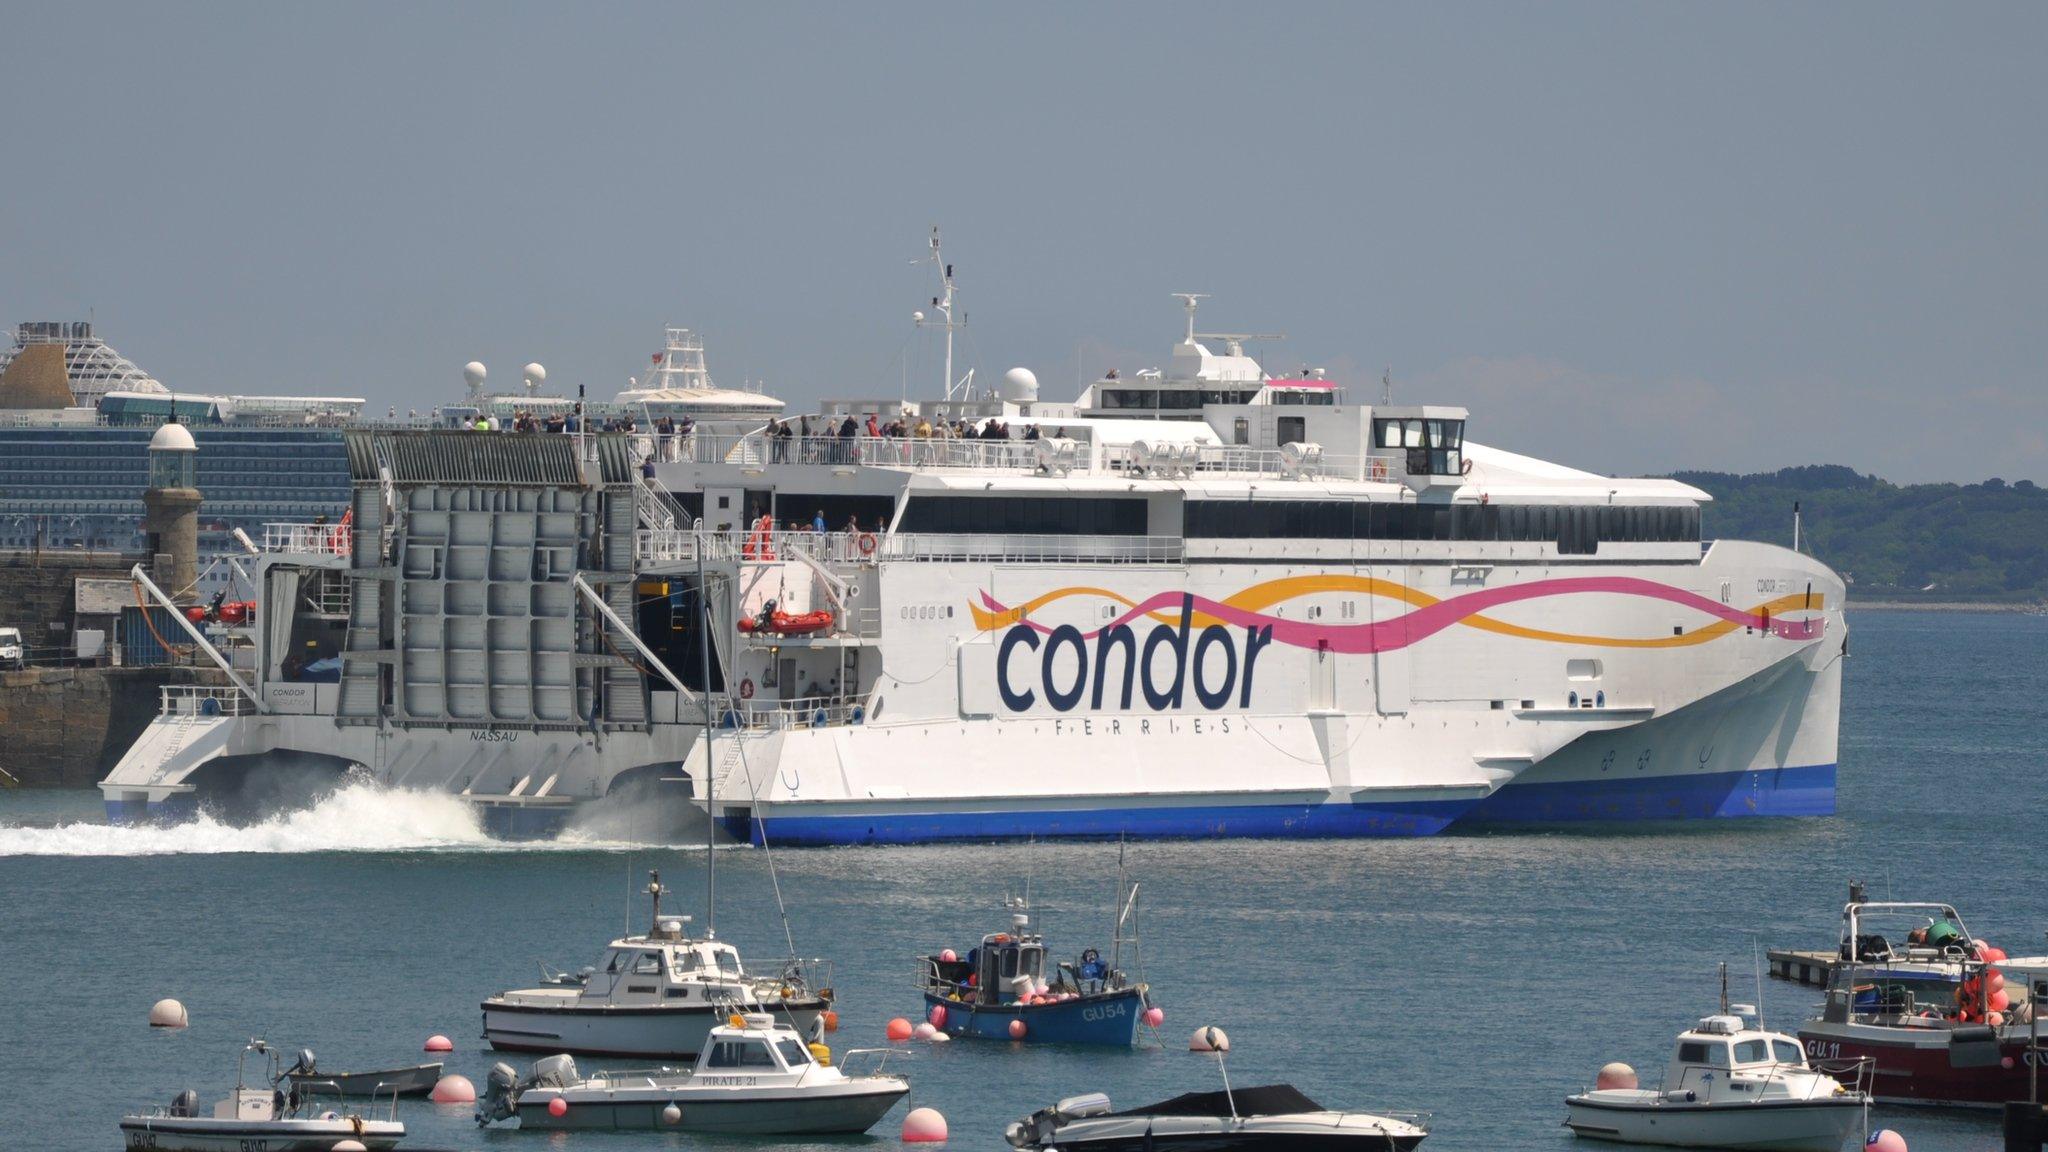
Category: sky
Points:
column 1629, row 237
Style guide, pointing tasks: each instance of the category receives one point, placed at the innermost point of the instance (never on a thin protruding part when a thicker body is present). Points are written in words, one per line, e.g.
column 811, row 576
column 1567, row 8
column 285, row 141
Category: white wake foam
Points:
column 358, row 817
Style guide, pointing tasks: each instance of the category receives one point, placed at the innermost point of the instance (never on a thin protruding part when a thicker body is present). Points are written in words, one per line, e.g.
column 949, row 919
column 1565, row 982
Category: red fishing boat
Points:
column 1972, row 1044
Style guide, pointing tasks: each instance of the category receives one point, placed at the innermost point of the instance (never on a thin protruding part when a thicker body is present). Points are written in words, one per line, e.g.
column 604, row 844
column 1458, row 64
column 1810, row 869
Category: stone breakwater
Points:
column 66, row 727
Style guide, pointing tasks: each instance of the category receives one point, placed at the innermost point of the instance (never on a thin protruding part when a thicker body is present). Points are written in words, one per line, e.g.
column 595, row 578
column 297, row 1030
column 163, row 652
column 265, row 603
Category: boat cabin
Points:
column 754, row 1044
column 1007, row 966
column 1722, row 1052
column 666, row 965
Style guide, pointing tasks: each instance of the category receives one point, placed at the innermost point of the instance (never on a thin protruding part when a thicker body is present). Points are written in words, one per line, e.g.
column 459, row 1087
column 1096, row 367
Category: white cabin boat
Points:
column 754, row 1077
column 1727, row 1086
column 659, row 995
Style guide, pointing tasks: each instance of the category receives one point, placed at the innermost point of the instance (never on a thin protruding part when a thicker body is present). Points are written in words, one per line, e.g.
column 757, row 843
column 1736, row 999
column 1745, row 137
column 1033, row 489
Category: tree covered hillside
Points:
column 1984, row 541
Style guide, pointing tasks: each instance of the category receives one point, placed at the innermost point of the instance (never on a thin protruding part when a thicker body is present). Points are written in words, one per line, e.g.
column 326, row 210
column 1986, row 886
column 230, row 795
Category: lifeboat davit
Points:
column 790, row 624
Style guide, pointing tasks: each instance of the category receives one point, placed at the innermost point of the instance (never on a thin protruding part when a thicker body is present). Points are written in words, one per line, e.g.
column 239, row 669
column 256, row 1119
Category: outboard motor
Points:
column 501, row 1094
column 503, row 1087
column 185, row 1104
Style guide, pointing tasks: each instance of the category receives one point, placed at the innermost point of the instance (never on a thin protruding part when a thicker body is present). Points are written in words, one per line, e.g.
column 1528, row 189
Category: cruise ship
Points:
column 1199, row 600
column 76, row 417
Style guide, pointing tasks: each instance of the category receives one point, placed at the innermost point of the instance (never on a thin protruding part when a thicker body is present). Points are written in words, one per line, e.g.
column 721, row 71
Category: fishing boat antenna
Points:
column 710, row 763
column 1724, row 987
column 1756, row 956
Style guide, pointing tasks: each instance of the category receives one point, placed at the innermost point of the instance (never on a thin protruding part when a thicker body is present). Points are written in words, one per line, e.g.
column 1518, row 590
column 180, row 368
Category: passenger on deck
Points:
column 818, row 522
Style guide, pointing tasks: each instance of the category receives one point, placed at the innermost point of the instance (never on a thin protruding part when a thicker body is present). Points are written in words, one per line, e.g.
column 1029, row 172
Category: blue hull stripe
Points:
column 1807, row 791
column 1420, row 818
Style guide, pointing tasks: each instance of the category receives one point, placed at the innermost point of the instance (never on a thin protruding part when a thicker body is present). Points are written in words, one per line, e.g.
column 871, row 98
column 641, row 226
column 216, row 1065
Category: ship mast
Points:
column 942, row 304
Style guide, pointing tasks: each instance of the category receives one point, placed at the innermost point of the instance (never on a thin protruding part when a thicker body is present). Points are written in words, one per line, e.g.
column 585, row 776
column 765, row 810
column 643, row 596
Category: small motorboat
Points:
column 654, row 996
column 413, row 1080
column 1728, row 1085
column 1276, row 1116
column 1009, row 988
column 754, row 1077
column 268, row 1116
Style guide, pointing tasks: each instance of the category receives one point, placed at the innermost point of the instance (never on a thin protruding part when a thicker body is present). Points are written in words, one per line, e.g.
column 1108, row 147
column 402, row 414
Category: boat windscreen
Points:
column 1272, row 1100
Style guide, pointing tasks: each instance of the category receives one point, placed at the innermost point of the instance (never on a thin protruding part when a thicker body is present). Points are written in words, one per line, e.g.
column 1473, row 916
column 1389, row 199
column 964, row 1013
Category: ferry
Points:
column 1200, row 600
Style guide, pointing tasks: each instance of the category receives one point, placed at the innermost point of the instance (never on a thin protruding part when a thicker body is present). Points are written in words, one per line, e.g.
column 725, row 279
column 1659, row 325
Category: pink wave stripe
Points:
column 1422, row 623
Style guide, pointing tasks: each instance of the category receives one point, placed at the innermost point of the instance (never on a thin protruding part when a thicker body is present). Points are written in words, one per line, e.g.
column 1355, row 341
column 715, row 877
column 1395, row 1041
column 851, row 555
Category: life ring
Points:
column 747, row 688
column 866, row 543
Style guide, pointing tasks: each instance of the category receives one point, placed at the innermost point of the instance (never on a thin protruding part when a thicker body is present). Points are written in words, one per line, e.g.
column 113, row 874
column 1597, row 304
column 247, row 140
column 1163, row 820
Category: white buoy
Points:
column 167, row 1013
column 350, row 1146
column 671, row 1115
column 1209, row 1038
column 923, row 1031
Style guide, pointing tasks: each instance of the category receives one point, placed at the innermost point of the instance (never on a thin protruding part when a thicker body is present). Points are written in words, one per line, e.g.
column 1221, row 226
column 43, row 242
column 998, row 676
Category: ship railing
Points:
column 307, row 539
column 1029, row 457
column 797, row 713
column 674, row 545
column 203, row 701
column 1031, row 549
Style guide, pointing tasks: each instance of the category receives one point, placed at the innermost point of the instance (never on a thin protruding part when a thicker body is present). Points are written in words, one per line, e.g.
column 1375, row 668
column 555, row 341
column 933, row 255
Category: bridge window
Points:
column 1026, row 515
column 1576, row 529
column 1129, row 398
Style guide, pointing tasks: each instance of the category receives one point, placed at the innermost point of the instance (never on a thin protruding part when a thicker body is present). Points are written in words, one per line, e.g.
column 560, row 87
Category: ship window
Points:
column 647, row 964
column 1129, row 398
column 793, row 1054
column 615, row 961
column 1030, row 515
column 1787, row 1052
column 741, row 1054
column 1692, row 1052
column 1752, row 1052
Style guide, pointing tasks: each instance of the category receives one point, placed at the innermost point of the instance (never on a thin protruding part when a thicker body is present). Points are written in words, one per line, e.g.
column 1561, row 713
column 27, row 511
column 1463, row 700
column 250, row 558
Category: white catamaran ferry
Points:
column 1199, row 601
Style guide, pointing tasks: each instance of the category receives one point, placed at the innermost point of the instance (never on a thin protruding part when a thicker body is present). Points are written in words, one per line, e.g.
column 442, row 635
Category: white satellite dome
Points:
column 474, row 372
column 173, row 437
column 535, row 375
column 1020, row 386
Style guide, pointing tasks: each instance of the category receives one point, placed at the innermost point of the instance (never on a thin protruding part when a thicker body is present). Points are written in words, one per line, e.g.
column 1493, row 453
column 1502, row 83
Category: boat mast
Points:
column 710, row 765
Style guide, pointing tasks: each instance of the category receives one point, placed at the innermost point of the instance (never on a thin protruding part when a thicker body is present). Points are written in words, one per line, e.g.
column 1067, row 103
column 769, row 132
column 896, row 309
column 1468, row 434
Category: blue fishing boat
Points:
column 1010, row 988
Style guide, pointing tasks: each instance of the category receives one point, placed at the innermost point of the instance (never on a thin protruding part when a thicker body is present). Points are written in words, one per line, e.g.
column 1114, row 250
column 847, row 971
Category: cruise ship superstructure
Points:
column 1200, row 601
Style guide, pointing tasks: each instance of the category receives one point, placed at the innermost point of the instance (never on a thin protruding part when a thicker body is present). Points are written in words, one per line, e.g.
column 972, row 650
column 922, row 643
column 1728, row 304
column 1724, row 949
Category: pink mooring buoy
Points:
column 937, row 1016
column 1615, row 1075
column 1885, row 1140
column 1017, row 1029
column 924, row 1126
column 454, row 1088
column 1155, row 1016
column 924, row 1031
column 948, row 955
column 558, row 1107
column 439, row 1043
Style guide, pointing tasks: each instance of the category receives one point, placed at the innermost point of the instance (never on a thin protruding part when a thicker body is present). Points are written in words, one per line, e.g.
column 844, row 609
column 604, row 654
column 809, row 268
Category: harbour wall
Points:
column 38, row 593
column 67, row 727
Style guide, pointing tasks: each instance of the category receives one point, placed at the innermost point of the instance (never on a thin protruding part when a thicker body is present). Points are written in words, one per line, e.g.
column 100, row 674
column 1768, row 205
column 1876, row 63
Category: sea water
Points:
column 1478, row 976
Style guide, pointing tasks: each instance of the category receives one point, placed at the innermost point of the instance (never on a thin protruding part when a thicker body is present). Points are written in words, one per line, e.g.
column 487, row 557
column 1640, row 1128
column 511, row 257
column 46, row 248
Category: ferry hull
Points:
column 1116, row 818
